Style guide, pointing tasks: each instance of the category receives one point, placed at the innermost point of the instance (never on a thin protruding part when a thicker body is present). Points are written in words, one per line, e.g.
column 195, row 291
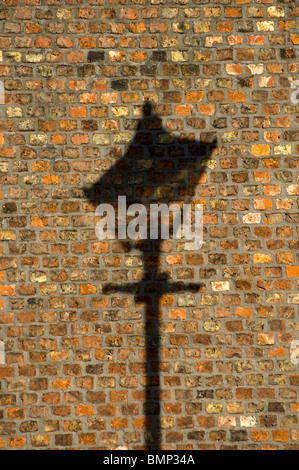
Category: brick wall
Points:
column 111, row 343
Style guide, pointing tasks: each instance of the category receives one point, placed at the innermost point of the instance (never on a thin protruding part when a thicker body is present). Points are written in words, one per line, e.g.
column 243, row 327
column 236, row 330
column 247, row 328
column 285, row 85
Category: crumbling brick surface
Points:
column 96, row 356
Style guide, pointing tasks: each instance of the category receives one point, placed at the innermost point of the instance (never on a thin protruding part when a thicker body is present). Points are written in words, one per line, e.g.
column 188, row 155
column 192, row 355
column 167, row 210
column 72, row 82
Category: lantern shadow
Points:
column 157, row 167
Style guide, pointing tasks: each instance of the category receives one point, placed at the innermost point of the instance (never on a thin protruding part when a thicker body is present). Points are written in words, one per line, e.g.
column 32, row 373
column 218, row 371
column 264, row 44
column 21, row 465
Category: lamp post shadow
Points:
column 157, row 167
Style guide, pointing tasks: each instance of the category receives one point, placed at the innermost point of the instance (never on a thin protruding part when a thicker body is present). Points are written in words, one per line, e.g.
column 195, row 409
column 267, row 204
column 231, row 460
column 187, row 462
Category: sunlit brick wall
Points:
column 73, row 366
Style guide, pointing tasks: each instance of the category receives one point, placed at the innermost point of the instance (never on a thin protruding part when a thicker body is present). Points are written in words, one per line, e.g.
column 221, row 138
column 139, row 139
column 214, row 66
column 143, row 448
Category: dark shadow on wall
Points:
column 156, row 168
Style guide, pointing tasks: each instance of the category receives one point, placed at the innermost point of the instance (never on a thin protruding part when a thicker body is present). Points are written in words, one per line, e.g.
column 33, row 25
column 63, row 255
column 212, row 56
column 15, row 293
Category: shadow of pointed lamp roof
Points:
column 155, row 165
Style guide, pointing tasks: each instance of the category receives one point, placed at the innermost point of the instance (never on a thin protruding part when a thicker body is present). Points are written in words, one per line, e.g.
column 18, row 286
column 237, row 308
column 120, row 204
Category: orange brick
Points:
column 39, row 221
column 294, row 407
column 40, row 166
column 262, row 176
column 6, row 372
column 58, row 139
column 77, row 111
column 233, row 69
column 193, row 96
column 283, row 285
column 183, row 109
column 208, row 109
column 7, row 290
column 88, row 438
column 86, row 289
column 129, row 97
column 119, row 423
column 292, row 271
column 79, row 139
column 271, row 108
column 264, row 339
column 260, row 150
column 33, row 28
column 272, row 189
column 138, row 56
column 166, row 300
column 256, row 40
column 232, row 12
column 294, row 37
column 238, row 96
column 283, row 122
column 271, row 162
column 245, row 312
column 277, row 352
column 51, row 179
column 117, row 56
column 263, row 204
column 224, row 26
column 178, row 313
column 285, row 257
column 84, row 410
column 15, row 413
column 43, row 42
column 16, row 441
column 129, row 13
column 174, row 259
column 87, row 42
column 244, row 393
column 235, row 40
column 141, row 423
column 75, row 57
column 148, row 42
column 62, row 384
column 65, row 42
column 99, row 84
column 281, row 435
column 59, row 355
column 137, row 28
column 119, row 396
column 40, row 440
column 261, row 258
column 272, row 136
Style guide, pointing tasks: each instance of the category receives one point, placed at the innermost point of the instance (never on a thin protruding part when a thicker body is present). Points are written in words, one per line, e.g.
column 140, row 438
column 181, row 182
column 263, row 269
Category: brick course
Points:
column 77, row 350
